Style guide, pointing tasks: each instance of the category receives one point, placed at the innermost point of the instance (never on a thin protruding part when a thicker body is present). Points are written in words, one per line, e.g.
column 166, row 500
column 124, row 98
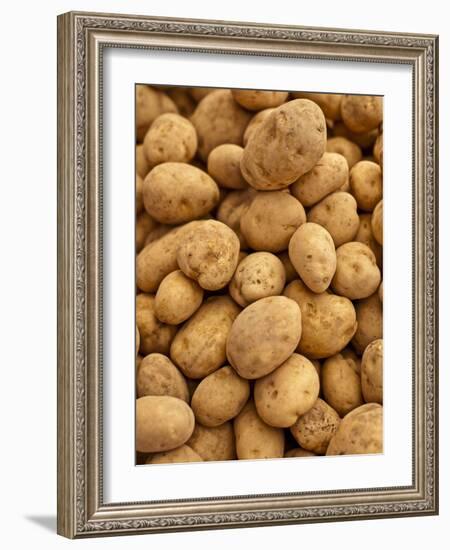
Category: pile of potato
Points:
column 259, row 240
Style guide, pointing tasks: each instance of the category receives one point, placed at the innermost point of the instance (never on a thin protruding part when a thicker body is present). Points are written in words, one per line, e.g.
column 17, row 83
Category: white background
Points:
column 28, row 274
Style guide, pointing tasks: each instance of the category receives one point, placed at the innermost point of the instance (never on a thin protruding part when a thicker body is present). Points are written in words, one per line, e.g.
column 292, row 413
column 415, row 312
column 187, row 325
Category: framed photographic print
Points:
column 247, row 288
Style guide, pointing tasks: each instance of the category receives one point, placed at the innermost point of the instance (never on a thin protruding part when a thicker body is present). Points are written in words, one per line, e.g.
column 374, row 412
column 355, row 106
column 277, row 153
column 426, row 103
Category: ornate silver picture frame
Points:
column 82, row 511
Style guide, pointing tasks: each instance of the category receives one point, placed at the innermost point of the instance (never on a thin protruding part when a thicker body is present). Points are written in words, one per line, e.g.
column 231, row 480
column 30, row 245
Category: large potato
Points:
column 256, row 100
column 198, row 348
column 369, row 314
column 312, row 253
column 180, row 454
column 364, row 235
column 255, row 123
column 224, row 166
column 220, row 397
column 314, row 430
column 162, row 423
column 357, row 274
column 372, row 372
column 263, row 336
column 361, row 113
column 209, row 254
column 256, row 439
column 360, row 432
column 366, row 184
column 346, row 148
column 270, row 220
column 150, row 103
column 157, row 375
column 328, row 321
column 341, row 384
column 178, row 297
column 287, row 144
column 231, row 209
column 328, row 175
column 377, row 222
column 288, row 392
column 155, row 337
column 175, row 192
column 216, row 443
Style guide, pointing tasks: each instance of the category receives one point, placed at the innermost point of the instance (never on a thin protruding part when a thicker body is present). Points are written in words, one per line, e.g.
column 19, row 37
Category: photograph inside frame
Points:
column 259, row 276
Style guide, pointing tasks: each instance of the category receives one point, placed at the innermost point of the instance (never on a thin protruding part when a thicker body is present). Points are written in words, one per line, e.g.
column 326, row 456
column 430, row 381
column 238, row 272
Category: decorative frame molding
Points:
column 81, row 37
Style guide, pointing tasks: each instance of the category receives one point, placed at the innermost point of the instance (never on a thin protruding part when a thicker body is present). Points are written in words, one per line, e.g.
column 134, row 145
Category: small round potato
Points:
column 171, row 138
column 198, row 348
column 175, row 192
column 312, row 253
column 338, row 214
column 257, row 276
column 341, row 384
column 220, row 397
column 369, row 315
column 298, row 453
column 216, row 443
column 328, row 321
column 329, row 103
column 372, row 372
column 255, row 122
column 263, row 336
column 346, row 148
column 180, row 454
column 361, row 113
column 256, row 439
column 224, row 166
column 287, row 144
column 231, row 209
column 360, row 432
column 150, row 103
column 157, row 375
column 155, row 337
column 314, row 430
column 256, row 100
column 377, row 222
column 178, row 297
column 328, row 175
column 163, row 423
column 366, row 184
column 270, row 220
column 357, row 275
column 145, row 224
column 288, row 392
column 209, row 254
column 364, row 235
column 142, row 164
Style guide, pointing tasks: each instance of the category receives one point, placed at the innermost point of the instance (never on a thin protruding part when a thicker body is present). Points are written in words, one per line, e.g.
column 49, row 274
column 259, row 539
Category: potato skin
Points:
column 365, row 235
column 209, row 254
column 162, row 423
column 257, row 276
column 175, row 192
column 180, row 454
column 341, row 385
column 231, row 209
column 366, row 184
column 329, row 103
column 270, row 220
column 178, row 297
column 328, row 321
column 377, row 223
column 145, row 224
column 312, row 253
column 346, row 148
column 286, row 145
column 224, row 166
column 255, row 122
column 198, row 348
column 142, row 164
column 157, row 375
column 150, row 103
column 214, row 443
column 369, row 314
column 360, row 432
column 254, row 438
column 220, row 397
column 255, row 100
column 372, row 372
column 155, row 337
column 361, row 113
column 288, row 392
column 314, row 430
column 263, row 336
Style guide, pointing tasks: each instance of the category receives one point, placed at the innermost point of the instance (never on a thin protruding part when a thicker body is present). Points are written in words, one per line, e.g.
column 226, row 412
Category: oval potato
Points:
column 157, row 375
column 178, row 297
column 372, row 372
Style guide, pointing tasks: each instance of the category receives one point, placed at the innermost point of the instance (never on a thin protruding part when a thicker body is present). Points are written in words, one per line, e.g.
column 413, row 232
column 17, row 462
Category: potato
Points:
column 139, row 191
column 377, row 222
column 155, row 337
column 380, row 291
column 214, row 443
column 254, row 438
column 171, row 138
column 257, row 276
column 157, row 375
column 270, row 220
column 198, row 348
column 372, row 372
column 364, row 235
column 224, row 166
column 162, row 423
column 312, row 253
column 255, row 122
column 361, row 113
column 357, row 275
column 337, row 213
column 346, row 148
column 200, row 93
column 366, row 184
column 289, row 269
column 150, row 103
column 378, row 149
column 155, row 234
column 209, row 254
column 352, row 359
column 314, row 430
column 219, row 119
column 178, row 297
column 364, row 140
column 180, row 454
column 256, row 100
column 341, row 384
column 231, row 209
column 219, row 397
column 328, row 321
column 175, row 192
column 145, row 224
column 329, row 103
column 142, row 164
column 297, row 453
column 369, row 315
column 360, row 432
column 328, row 175
column 263, row 336
column 137, row 341
column 288, row 392
column 183, row 100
